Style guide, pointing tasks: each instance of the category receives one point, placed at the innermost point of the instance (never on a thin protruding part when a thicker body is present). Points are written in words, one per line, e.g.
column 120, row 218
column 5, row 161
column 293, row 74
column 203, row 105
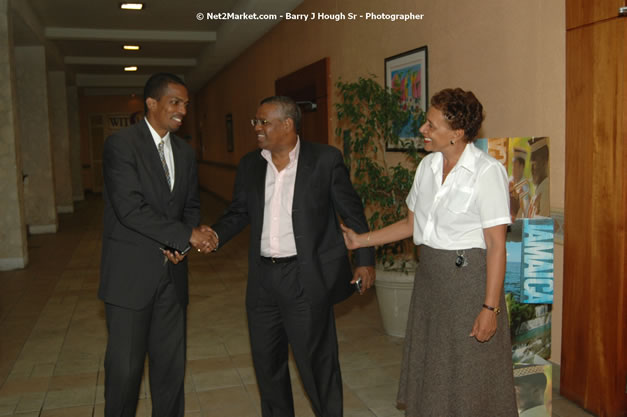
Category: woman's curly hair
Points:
column 461, row 110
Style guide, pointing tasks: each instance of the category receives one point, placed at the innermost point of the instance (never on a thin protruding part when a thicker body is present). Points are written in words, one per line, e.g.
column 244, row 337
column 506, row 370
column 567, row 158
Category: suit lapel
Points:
column 259, row 189
column 179, row 163
column 303, row 173
column 151, row 154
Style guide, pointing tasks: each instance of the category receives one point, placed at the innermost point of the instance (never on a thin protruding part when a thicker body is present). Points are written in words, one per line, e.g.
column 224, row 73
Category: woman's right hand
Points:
column 350, row 237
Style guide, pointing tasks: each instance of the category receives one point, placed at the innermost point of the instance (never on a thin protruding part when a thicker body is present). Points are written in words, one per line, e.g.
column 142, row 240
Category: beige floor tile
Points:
column 64, row 382
column 371, row 377
column 390, row 355
column 564, row 408
column 198, row 366
column 77, row 366
column 226, row 402
column 23, row 367
column 354, row 406
column 30, row 402
column 216, row 379
column 24, row 385
column 99, row 394
column 243, row 360
column 8, row 404
column 70, row 398
column 85, row 411
column 380, row 399
column 99, row 410
column 247, row 375
column 43, row 370
column 191, row 402
column 302, row 406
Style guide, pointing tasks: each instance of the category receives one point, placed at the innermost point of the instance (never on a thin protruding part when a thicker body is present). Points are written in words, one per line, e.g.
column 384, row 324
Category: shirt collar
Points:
column 469, row 157
column 155, row 135
column 467, row 160
column 293, row 153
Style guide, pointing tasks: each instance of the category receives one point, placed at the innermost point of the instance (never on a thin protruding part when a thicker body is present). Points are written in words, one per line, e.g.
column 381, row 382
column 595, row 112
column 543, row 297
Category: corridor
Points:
column 53, row 334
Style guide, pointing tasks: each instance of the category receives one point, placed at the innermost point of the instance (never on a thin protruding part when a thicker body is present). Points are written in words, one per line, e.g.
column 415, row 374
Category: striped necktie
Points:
column 164, row 164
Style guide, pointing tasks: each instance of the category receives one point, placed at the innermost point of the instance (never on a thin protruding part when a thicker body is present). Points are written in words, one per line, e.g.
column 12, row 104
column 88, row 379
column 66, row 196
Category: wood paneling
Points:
column 583, row 12
column 310, row 84
column 594, row 358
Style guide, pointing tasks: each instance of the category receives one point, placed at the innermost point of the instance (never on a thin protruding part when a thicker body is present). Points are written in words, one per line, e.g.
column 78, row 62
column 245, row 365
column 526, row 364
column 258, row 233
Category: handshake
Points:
column 204, row 239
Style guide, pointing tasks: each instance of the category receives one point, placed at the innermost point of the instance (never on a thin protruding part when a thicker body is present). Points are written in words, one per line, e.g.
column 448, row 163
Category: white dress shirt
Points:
column 277, row 235
column 474, row 196
column 167, row 150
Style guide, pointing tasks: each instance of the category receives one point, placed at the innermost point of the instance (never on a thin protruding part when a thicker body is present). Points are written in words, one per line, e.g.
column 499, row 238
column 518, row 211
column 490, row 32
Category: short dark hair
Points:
column 540, row 154
column 289, row 108
column 461, row 109
column 157, row 84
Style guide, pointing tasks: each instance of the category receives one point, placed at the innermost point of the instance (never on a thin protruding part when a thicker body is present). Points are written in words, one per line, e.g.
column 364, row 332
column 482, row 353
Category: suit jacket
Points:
column 142, row 215
column 322, row 191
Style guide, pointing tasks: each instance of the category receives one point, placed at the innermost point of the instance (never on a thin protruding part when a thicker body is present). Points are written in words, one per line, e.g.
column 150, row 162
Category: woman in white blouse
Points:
column 457, row 355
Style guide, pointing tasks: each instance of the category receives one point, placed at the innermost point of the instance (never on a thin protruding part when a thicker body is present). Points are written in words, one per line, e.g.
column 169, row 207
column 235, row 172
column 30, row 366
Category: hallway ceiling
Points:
column 85, row 37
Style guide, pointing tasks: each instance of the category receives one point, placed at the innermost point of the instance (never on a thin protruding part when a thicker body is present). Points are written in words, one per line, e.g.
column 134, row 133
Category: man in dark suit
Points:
column 291, row 193
column 151, row 215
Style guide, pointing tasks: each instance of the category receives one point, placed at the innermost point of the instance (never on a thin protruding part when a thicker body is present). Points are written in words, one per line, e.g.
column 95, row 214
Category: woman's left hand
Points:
column 485, row 326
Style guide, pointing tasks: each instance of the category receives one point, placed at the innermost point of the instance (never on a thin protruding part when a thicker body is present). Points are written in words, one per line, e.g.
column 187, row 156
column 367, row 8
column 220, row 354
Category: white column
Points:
column 13, row 249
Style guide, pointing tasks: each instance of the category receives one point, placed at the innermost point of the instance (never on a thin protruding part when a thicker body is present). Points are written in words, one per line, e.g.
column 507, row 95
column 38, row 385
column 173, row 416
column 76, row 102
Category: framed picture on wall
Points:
column 407, row 74
column 229, row 133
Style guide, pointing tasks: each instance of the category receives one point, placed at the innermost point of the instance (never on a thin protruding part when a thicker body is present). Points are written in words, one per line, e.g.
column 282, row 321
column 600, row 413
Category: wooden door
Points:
column 584, row 12
column 310, row 88
column 594, row 333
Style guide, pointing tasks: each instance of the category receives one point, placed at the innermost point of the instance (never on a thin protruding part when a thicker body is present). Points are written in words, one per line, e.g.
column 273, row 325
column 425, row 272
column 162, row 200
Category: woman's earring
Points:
column 452, row 142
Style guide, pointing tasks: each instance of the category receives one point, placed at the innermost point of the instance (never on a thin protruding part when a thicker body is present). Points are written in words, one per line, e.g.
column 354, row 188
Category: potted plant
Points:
column 369, row 117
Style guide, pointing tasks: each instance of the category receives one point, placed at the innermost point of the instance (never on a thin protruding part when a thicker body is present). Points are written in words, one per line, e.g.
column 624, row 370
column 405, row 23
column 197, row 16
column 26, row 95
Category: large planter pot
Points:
column 393, row 290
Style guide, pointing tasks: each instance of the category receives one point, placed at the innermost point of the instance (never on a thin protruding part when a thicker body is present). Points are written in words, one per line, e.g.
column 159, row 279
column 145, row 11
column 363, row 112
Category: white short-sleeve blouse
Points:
column 474, row 196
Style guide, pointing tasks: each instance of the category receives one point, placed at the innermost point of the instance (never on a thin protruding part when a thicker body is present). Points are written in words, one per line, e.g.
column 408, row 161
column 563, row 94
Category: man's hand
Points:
column 174, row 257
column 204, row 239
column 367, row 275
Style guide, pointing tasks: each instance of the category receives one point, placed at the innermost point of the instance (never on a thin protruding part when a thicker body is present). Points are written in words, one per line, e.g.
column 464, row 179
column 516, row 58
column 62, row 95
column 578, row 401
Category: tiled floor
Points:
column 52, row 334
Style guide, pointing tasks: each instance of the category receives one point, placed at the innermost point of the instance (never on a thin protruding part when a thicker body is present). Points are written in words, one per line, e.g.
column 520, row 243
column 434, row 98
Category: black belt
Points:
column 279, row 260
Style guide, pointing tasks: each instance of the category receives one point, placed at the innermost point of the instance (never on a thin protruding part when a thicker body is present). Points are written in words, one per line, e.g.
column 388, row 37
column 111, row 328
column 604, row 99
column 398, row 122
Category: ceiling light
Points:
column 131, row 47
column 133, row 68
column 131, row 6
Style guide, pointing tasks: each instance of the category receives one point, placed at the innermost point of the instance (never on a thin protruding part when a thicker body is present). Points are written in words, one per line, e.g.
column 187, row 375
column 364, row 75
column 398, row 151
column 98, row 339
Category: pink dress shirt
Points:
column 277, row 235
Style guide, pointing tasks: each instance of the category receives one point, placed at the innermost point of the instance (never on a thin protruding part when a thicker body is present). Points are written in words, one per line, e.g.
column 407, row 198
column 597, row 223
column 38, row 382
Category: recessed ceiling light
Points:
column 131, row 47
column 133, row 68
column 131, row 6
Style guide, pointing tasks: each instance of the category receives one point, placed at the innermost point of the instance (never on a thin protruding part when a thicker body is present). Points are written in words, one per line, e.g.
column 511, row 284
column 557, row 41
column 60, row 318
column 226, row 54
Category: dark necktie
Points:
column 164, row 164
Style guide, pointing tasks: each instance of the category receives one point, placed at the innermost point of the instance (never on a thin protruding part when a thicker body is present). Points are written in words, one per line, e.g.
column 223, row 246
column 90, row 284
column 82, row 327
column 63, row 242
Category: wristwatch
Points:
column 496, row 310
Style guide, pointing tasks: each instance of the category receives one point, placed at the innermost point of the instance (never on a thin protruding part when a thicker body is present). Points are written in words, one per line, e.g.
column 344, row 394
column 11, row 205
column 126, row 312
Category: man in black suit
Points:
column 151, row 216
column 291, row 193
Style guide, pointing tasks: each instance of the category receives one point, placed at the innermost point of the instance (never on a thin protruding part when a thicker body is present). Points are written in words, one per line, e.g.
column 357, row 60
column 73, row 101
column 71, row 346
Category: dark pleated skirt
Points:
column 446, row 373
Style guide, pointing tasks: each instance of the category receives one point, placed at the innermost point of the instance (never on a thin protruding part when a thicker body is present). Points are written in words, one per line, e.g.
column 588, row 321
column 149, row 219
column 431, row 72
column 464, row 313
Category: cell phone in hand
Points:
column 357, row 285
column 172, row 250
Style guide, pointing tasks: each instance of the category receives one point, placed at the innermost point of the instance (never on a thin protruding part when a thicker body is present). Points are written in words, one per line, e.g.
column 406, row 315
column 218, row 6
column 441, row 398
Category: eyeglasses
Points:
column 262, row 122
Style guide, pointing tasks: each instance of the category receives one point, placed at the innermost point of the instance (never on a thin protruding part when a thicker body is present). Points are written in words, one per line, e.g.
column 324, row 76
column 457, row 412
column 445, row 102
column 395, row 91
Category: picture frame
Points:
column 407, row 73
column 230, row 146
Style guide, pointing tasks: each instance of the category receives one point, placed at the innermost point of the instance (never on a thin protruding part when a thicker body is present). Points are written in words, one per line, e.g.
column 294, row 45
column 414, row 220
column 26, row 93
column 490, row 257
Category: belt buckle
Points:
column 273, row 259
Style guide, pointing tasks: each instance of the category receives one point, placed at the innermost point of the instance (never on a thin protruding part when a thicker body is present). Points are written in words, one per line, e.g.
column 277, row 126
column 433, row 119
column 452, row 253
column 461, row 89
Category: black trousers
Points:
column 284, row 316
column 159, row 330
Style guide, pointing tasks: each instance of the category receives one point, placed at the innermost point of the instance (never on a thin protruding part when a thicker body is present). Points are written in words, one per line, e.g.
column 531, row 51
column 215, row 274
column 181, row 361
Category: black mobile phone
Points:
column 172, row 250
